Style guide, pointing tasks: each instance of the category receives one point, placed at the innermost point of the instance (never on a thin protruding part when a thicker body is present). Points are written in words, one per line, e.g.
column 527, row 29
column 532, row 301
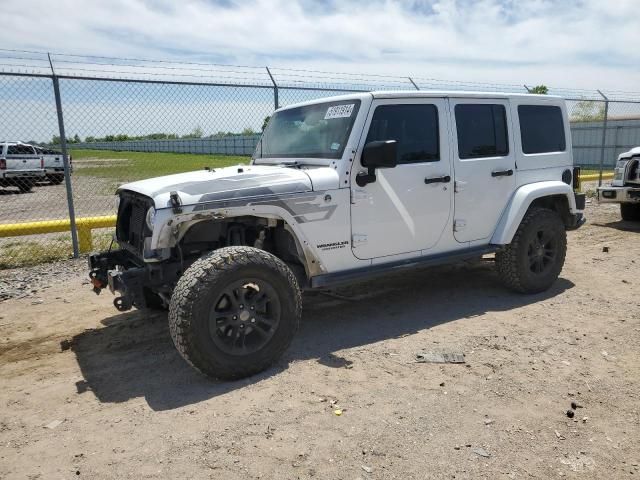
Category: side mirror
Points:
column 380, row 154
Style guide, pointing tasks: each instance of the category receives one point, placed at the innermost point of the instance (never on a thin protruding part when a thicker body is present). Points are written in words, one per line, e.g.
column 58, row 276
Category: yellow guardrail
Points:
column 84, row 226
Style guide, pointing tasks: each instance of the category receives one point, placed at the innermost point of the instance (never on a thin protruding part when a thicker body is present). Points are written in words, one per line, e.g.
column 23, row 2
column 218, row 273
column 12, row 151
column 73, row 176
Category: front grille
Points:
column 131, row 227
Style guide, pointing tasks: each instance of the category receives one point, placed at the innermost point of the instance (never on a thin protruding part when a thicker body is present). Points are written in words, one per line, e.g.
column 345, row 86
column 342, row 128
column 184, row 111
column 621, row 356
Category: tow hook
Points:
column 97, row 283
column 122, row 304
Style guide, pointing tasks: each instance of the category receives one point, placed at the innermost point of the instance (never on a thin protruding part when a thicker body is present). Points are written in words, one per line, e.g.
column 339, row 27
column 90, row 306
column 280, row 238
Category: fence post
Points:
column 413, row 83
column 604, row 135
column 275, row 89
column 65, row 161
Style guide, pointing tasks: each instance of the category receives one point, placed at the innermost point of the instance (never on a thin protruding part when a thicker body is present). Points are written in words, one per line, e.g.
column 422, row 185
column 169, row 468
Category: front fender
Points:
column 520, row 203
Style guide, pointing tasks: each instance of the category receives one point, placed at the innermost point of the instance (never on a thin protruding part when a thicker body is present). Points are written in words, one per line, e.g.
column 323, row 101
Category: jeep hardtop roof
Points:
column 384, row 94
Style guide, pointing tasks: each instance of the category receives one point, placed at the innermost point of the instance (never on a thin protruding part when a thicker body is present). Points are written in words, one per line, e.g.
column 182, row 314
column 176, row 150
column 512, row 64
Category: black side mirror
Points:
column 379, row 154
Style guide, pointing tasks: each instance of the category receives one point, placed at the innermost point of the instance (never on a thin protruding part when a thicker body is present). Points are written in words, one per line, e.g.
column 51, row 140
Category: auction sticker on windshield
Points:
column 339, row 111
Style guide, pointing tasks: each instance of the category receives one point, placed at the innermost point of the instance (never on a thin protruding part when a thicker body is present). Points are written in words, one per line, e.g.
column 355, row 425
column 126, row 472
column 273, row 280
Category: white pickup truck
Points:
column 625, row 187
column 53, row 163
column 20, row 166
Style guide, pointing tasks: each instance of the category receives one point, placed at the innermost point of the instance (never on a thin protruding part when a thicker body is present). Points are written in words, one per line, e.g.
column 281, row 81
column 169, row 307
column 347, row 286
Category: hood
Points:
column 242, row 181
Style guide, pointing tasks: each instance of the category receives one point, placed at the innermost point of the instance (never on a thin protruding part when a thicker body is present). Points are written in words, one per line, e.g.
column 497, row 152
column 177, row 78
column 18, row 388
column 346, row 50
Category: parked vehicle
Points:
column 340, row 190
column 625, row 186
column 53, row 164
column 20, row 166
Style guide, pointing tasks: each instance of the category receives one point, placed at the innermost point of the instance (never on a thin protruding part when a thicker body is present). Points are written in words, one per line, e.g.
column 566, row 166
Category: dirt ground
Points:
column 88, row 392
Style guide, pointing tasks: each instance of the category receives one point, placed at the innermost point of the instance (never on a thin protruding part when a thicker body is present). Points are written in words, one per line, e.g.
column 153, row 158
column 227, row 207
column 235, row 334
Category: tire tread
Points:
column 195, row 282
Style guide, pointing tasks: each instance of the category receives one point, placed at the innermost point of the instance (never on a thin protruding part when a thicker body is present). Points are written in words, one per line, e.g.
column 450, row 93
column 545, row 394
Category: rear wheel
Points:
column 533, row 260
column 630, row 211
column 234, row 312
column 56, row 179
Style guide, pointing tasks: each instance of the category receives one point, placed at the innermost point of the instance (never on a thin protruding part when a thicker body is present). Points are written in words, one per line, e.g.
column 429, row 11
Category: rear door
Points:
column 484, row 165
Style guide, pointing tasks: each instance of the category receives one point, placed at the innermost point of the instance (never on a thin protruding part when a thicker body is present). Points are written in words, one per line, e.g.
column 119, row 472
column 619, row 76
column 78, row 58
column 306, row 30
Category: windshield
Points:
column 313, row 131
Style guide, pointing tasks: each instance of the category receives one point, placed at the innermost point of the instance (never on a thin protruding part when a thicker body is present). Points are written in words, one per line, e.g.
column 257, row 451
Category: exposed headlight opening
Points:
column 151, row 218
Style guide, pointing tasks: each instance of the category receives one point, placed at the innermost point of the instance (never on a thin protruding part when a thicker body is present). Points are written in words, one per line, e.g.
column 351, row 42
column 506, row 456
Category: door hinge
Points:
column 459, row 225
column 357, row 239
column 459, row 186
column 357, row 195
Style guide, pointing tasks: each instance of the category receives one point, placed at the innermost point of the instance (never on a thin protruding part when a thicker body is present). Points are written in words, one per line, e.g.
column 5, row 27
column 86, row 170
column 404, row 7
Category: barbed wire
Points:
column 70, row 64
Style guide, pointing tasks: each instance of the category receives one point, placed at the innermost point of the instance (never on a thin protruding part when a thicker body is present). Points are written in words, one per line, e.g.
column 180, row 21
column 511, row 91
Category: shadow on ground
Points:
column 622, row 225
column 133, row 356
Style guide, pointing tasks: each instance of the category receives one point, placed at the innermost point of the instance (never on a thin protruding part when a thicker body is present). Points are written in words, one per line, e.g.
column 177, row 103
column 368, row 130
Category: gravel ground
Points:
column 88, row 392
column 92, row 196
column 33, row 282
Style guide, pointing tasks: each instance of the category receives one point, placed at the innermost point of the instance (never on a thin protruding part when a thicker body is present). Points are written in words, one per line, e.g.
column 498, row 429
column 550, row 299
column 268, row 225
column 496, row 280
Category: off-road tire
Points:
column 513, row 262
column 630, row 211
column 194, row 298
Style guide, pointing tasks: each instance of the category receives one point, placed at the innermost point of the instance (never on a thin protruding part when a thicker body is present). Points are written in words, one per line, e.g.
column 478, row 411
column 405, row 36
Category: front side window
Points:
column 312, row 131
column 414, row 127
column 482, row 130
column 541, row 129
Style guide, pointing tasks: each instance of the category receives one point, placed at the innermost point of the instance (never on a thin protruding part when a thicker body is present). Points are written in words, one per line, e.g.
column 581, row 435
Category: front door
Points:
column 406, row 208
column 484, row 165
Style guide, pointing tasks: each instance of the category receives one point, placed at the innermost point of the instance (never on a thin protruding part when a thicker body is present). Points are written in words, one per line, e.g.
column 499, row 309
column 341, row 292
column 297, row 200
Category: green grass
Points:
column 140, row 165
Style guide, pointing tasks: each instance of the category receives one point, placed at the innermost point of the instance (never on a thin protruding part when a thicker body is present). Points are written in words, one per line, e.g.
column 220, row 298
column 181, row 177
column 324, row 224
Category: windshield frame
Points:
column 337, row 154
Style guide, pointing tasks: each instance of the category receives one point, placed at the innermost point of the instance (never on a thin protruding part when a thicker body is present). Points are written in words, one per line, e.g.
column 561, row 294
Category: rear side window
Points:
column 414, row 127
column 20, row 150
column 541, row 129
column 482, row 130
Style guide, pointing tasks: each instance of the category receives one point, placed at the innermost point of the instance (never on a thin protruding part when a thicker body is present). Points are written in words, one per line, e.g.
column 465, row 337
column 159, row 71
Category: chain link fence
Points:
column 100, row 122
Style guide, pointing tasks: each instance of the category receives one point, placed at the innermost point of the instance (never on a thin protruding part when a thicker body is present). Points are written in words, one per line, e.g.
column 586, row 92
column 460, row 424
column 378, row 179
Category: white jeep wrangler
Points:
column 625, row 186
column 340, row 190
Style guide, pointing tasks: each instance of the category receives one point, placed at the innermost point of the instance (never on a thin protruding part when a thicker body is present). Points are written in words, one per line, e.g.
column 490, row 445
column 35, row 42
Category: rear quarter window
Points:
column 541, row 129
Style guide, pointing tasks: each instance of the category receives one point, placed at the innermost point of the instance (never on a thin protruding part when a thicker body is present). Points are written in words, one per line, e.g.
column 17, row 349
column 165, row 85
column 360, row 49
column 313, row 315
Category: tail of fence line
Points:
column 110, row 121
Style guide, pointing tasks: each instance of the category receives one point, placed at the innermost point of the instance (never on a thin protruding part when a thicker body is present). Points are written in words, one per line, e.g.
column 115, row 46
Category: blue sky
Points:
column 572, row 43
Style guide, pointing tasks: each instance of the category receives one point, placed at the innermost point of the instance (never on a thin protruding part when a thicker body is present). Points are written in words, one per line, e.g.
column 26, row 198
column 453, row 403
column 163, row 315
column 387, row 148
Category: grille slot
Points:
column 131, row 227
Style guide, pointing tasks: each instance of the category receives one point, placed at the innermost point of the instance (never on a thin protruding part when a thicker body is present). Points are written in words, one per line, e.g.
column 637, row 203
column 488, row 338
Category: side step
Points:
column 365, row 273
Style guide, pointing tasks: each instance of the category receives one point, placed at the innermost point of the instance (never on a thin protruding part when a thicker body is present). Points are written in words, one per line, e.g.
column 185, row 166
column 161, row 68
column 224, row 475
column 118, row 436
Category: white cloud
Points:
column 576, row 44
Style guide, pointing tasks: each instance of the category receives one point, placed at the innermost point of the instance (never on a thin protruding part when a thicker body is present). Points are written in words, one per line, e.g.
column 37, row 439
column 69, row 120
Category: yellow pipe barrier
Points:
column 594, row 176
column 84, row 226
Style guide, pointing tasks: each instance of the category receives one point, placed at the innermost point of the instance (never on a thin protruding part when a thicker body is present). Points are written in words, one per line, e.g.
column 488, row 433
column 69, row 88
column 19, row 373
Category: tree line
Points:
column 123, row 137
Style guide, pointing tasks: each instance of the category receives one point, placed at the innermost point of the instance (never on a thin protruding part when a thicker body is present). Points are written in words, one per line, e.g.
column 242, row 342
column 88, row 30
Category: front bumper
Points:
column 136, row 282
column 626, row 194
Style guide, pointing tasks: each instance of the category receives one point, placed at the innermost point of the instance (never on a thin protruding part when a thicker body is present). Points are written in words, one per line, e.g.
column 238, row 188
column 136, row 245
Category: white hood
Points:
column 242, row 181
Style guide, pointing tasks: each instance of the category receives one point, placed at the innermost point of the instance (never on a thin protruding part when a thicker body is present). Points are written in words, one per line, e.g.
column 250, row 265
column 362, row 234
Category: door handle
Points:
column 445, row 179
column 502, row 173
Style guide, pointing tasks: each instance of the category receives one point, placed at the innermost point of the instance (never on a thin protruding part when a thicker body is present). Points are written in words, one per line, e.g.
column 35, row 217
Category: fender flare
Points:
column 170, row 233
column 520, row 202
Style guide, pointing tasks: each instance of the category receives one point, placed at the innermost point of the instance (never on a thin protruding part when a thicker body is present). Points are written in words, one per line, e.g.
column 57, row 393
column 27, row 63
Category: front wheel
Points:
column 533, row 260
column 630, row 211
column 234, row 312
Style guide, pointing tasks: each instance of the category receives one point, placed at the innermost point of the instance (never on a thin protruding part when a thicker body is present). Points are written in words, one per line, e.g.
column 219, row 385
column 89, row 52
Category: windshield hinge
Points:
column 358, row 195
